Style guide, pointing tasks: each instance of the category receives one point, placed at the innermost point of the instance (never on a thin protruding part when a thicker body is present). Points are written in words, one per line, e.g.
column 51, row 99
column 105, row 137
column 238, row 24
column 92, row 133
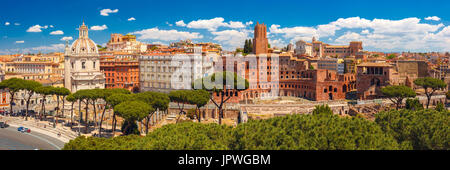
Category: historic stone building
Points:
column 82, row 64
column 371, row 77
column 320, row 49
column 125, row 43
column 260, row 41
column 303, row 48
column 276, row 75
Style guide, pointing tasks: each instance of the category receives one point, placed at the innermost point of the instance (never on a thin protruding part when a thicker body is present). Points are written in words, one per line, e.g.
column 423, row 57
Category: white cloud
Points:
column 249, row 23
column 7, row 23
column 349, row 36
column 51, row 26
column 58, row 32
column 99, row 28
column 180, row 23
column 379, row 34
column 213, row 24
column 158, row 42
column 434, row 18
column 166, row 35
column 365, row 32
column 36, row 28
column 53, row 47
column 16, row 24
column 106, row 12
column 131, row 19
column 279, row 43
column 231, row 38
column 20, row 42
column 66, row 38
column 169, row 24
column 294, row 31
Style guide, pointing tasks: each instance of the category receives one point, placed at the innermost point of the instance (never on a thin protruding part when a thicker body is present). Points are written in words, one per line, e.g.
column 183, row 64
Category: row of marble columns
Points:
column 155, row 118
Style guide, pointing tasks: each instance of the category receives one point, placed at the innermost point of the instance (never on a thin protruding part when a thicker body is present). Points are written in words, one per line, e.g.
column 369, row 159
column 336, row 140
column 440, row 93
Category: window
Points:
column 83, row 65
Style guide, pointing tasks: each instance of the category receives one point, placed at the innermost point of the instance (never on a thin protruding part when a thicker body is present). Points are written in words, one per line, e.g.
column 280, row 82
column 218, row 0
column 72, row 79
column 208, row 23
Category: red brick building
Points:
column 272, row 75
column 121, row 71
column 371, row 77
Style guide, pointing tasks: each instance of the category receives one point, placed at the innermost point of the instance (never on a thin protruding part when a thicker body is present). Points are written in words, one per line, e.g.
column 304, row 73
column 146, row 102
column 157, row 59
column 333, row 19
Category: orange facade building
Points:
column 121, row 71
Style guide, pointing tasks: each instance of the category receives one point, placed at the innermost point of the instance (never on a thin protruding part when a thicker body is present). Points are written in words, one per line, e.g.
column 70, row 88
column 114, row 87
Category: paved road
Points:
column 11, row 139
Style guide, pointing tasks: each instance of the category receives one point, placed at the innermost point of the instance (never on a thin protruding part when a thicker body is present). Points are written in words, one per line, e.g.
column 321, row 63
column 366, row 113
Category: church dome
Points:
column 83, row 45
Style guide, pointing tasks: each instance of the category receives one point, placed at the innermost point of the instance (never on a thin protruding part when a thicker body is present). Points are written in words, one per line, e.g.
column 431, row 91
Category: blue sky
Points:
column 384, row 25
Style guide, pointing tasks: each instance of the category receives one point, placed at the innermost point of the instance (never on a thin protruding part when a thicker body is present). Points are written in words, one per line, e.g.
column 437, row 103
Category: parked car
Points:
column 3, row 125
column 23, row 129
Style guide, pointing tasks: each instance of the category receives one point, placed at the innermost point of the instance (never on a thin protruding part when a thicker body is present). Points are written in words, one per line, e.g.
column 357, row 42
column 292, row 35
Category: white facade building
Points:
column 303, row 48
column 166, row 72
column 82, row 64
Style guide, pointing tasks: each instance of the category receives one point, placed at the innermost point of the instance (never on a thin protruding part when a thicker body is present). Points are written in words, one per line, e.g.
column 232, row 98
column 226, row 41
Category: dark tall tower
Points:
column 260, row 42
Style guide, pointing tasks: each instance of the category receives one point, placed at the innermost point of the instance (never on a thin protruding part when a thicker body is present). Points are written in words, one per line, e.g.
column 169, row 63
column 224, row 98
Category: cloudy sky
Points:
column 385, row 25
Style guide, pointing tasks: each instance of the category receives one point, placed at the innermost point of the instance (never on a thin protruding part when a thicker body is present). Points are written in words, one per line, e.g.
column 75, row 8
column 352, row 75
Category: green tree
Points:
column 397, row 93
column 430, row 85
column 391, row 56
column 250, row 46
column 322, row 109
column 418, row 130
column 440, row 107
column 132, row 111
column 413, row 104
column 29, row 86
column 61, row 92
column 311, row 67
column 219, row 83
column 95, row 95
column 13, row 85
column 70, row 98
column 44, row 91
column 103, row 94
column 159, row 101
column 180, row 97
column 246, row 46
column 114, row 100
column 199, row 98
column 84, row 96
column 311, row 132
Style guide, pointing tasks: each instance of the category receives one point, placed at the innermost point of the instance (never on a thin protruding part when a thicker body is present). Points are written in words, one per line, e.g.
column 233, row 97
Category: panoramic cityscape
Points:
column 111, row 76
